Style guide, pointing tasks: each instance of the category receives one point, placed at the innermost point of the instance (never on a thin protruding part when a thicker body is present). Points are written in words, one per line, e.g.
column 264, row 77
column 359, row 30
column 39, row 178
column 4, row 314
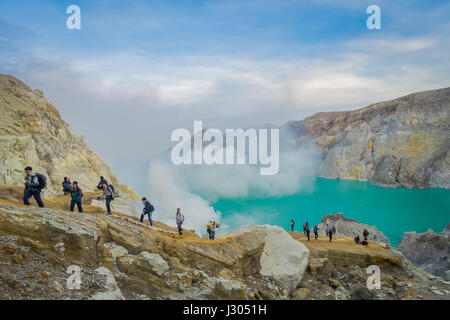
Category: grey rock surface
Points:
column 428, row 250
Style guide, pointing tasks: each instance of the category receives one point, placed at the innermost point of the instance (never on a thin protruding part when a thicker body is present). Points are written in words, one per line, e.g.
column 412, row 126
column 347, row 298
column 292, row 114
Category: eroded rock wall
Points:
column 399, row 143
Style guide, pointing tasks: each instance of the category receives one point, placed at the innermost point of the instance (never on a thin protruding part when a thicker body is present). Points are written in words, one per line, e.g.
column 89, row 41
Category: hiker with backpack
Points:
column 316, row 232
column 305, row 227
column 148, row 209
column 307, row 232
column 108, row 193
column 330, row 233
column 77, row 196
column 67, row 185
column 34, row 183
column 179, row 219
column 292, row 224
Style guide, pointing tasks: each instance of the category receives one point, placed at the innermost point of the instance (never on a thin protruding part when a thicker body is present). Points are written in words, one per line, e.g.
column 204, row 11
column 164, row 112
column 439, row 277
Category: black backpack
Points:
column 112, row 190
column 42, row 181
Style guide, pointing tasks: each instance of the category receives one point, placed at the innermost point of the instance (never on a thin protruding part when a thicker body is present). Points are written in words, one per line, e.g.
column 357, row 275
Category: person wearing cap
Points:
column 101, row 182
column 148, row 209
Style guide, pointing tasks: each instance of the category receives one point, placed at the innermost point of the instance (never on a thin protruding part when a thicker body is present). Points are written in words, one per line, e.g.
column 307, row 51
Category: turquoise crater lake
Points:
column 392, row 211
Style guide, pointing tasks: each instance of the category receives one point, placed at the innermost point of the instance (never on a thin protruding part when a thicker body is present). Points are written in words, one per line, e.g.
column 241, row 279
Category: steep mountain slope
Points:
column 398, row 143
column 33, row 133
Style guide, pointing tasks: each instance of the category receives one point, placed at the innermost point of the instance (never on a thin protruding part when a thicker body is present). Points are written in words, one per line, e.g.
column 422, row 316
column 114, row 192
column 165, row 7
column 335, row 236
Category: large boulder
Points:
column 282, row 258
column 346, row 227
column 428, row 250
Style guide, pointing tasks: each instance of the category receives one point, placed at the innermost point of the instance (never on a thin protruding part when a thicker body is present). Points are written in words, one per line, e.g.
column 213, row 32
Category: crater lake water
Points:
column 392, row 211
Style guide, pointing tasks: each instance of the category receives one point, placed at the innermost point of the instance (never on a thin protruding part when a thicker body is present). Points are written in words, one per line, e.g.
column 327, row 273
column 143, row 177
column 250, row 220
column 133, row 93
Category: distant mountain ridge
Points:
column 398, row 143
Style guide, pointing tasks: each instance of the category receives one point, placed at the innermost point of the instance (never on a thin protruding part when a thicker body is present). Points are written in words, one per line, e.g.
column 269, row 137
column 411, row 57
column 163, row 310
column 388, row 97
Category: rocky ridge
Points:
column 399, row 143
column 346, row 227
column 120, row 258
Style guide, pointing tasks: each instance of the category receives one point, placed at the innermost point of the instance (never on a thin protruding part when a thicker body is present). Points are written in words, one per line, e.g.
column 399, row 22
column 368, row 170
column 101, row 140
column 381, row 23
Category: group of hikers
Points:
column 365, row 235
column 329, row 231
column 76, row 193
column 307, row 230
column 36, row 182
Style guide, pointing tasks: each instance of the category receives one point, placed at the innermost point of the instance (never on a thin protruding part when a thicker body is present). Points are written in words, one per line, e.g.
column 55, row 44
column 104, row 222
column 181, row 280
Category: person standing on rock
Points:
column 77, row 197
column 365, row 234
column 179, row 219
column 292, row 224
column 34, row 183
column 212, row 233
column 316, row 232
column 307, row 232
column 108, row 193
column 67, row 185
column 148, row 209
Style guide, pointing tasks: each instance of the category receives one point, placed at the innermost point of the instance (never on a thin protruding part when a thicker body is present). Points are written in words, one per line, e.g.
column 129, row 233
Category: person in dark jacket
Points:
column 67, row 185
column 305, row 227
column 365, row 234
column 316, row 232
column 330, row 233
column 32, row 188
column 148, row 209
column 77, row 197
column 308, row 232
column 108, row 193
column 101, row 183
column 292, row 224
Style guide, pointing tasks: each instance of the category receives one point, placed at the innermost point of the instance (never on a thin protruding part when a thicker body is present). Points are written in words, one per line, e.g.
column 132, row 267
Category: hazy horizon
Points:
column 141, row 70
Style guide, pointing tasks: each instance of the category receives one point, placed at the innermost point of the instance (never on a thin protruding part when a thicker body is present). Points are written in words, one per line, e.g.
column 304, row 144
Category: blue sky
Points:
column 148, row 67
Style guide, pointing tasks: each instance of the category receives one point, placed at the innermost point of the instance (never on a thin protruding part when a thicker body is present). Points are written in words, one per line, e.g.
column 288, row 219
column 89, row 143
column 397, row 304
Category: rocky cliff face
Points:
column 33, row 133
column 429, row 250
column 398, row 143
column 121, row 258
column 346, row 227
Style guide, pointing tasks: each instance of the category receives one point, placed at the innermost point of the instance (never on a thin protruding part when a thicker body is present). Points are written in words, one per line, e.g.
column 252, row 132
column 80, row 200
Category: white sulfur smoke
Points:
column 169, row 192
column 174, row 186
